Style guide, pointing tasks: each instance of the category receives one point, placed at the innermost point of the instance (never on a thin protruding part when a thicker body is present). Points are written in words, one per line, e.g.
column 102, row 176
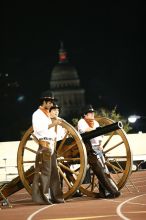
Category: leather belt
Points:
column 45, row 139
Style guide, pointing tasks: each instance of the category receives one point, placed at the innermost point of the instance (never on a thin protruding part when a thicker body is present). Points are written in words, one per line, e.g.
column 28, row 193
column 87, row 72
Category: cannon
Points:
column 72, row 158
column 101, row 130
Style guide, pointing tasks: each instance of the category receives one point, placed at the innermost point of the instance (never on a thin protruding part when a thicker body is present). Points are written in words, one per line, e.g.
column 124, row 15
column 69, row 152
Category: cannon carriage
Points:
column 72, row 159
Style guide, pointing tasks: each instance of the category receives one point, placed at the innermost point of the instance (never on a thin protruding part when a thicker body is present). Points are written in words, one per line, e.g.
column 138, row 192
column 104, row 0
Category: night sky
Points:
column 106, row 44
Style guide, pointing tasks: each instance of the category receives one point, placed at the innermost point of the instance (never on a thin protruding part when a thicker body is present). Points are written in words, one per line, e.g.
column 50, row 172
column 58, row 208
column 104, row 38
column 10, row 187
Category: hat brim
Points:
column 85, row 113
column 89, row 112
column 54, row 108
column 47, row 98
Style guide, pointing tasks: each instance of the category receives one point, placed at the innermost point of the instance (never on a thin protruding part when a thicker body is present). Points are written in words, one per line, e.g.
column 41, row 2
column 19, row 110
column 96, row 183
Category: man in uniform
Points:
column 46, row 187
column 96, row 160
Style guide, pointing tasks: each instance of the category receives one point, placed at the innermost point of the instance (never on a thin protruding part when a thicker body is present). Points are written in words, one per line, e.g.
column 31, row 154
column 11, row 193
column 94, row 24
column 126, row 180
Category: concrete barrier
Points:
column 8, row 154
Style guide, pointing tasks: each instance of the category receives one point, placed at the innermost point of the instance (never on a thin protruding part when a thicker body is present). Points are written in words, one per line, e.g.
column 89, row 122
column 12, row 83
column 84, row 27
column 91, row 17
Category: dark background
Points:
column 105, row 42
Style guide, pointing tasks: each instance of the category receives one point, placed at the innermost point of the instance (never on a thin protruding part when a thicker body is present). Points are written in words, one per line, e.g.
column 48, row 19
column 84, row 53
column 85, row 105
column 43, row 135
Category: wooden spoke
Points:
column 72, row 159
column 27, row 148
column 62, row 143
column 114, row 167
column 69, row 148
column 65, row 178
column 108, row 140
column 31, row 161
column 68, row 169
column 113, row 147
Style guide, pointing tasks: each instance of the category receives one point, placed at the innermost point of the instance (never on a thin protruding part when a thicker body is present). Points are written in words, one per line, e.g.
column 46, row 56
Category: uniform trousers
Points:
column 96, row 161
column 46, row 187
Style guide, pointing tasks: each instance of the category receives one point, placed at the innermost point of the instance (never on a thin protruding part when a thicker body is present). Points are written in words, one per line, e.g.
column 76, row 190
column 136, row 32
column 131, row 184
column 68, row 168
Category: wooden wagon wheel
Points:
column 71, row 158
column 118, row 159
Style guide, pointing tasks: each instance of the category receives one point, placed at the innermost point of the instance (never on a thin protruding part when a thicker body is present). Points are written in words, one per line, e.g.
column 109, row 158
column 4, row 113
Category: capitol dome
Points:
column 64, row 75
column 65, row 86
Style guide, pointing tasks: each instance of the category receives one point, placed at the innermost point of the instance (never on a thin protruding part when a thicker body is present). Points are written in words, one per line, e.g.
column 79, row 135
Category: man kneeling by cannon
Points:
column 86, row 126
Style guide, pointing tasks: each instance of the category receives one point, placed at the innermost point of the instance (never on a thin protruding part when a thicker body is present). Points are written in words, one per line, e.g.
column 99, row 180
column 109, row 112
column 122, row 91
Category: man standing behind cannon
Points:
column 46, row 187
column 96, row 160
column 54, row 115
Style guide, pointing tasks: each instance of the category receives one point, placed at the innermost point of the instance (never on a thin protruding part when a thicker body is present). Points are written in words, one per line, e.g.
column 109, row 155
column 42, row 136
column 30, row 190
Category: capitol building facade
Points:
column 65, row 87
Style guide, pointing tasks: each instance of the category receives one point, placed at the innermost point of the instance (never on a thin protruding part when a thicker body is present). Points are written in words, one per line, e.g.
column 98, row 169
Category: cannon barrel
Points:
column 101, row 131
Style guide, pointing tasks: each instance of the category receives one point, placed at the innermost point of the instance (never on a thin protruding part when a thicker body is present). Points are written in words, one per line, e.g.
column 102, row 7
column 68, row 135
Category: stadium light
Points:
column 133, row 118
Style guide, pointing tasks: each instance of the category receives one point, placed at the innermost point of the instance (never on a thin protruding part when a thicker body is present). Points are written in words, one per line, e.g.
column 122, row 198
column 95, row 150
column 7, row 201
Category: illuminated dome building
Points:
column 65, row 86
